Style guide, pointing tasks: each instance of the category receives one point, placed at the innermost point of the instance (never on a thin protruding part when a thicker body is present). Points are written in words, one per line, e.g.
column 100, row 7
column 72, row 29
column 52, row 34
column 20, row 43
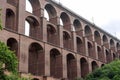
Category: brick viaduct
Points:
column 63, row 46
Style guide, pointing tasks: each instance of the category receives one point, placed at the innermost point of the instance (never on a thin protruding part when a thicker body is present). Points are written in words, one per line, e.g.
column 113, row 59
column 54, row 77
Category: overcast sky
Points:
column 105, row 13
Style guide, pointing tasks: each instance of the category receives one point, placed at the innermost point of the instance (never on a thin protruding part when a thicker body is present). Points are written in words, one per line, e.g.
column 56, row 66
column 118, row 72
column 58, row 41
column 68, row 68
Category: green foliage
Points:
column 108, row 72
column 8, row 60
column 0, row 22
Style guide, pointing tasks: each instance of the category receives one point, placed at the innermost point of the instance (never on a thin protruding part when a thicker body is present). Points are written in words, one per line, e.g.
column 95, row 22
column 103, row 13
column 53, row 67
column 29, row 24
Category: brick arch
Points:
column 36, row 59
column 35, row 4
column 55, row 63
column 77, row 25
column 108, row 56
column 10, row 22
column 102, row 65
column 12, row 43
column 88, row 32
column 105, row 41
column 79, row 44
column 66, row 21
column 112, row 44
column 97, row 37
column 52, row 14
column 94, row 65
column 52, row 34
column 118, row 46
column 90, row 50
column 34, row 27
column 66, row 40
column 114, row 56
column 71, row 66
column 100, row 54
column 84, row 67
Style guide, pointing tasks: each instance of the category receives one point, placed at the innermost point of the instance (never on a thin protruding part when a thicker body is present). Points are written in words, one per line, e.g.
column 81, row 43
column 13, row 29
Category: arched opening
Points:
column 77, row 25
column 71, row 67
column 66, row 21
column 97, row 37
column 112, row 45
column 32, row 27
column 55, row 63
column 84, row 67
column 52, row 34
column 36, row 59
column 90, row 50
column 33, row 6
column 105, row 41
column 88, row 32
column 13, row 45
column 114, row 56
column 118, row 46
column 94, row 65
column 10, row 20
column 102, row 65
column 79, row 45
column 35, row 79
column 108, row 56
column 100, row 54
column 51, row 14
column 66, row 40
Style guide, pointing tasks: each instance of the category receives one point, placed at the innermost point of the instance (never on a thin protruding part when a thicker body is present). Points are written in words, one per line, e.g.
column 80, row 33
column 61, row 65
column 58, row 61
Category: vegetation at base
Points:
column 0, row 22
column 8, row 62
column 110, row 71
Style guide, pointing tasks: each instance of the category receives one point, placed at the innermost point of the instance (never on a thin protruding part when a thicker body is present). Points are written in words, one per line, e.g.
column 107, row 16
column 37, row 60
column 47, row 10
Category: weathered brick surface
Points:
column 54, row 51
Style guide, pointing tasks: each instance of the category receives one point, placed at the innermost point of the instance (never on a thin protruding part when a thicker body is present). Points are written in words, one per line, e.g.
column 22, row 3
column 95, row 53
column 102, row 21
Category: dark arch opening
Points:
column 10, row 20
column 66, row 21
column 79, row 45
column 100, row 54
column 90, row 50
column 52, row 36
column 66, row 40
column 71, row 67
column 34, row 27
column 36, row 59
column 77, row 25
column 13, row 45
column 52, row 13
column 112, row 45
column 94, row 65
column 108, row 56
column 35, row 7
column 105, row 41
column 55, row 63
column 88, row 32
column 97, row 37
column 84, row 67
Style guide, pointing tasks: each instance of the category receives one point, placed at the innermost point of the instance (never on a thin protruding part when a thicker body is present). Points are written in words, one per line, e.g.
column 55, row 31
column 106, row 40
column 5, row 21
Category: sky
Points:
column 104, row 13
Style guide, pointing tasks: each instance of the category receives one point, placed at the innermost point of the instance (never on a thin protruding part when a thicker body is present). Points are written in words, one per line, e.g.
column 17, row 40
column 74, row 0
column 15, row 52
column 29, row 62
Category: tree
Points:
column 110, row 71
column 8, row 62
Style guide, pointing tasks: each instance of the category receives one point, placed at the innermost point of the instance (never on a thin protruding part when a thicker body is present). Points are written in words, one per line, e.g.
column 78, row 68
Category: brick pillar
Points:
column 64, row 61
column 24, row 54
column 85, row 47
column 74, row 42
column 78, row 66
column 61, row 36
column 21, row 17
column 3, row 12
column 95, row 52
column 47, row 61
column 44, row 28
